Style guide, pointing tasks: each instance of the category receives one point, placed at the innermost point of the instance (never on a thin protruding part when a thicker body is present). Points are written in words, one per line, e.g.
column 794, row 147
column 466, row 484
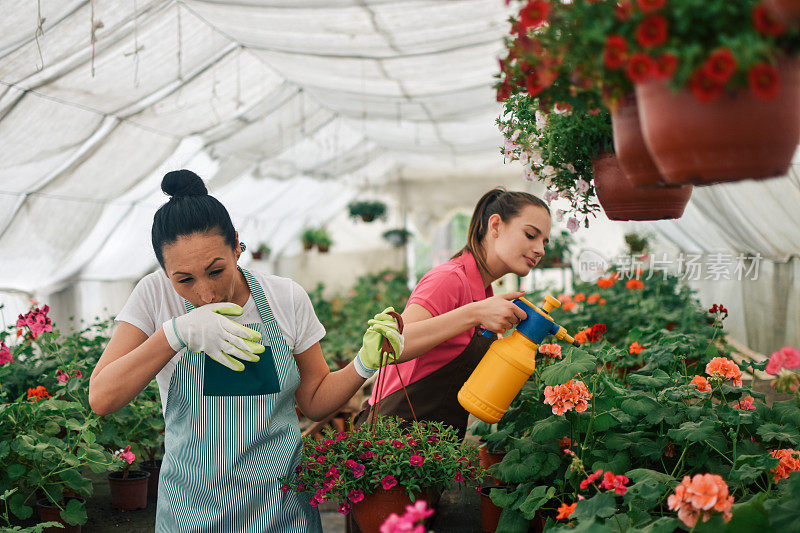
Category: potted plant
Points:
column 574, row 148
column 397, row 236
column 733, row 93
column 367, row 210
column 318, row 237
column 128, row 487
column 261, row 252
column 374, row 472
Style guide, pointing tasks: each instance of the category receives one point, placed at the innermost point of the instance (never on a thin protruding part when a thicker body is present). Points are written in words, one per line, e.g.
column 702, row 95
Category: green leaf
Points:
column 645, row 474
column 550, row 428
column 750, row 516
column 622, row 441
column 575, row 362
column 693, row 431
column 605, row 421
column 89, row 437
column 745, row 473
column 15, row 471
column 503, row 498
column 76, row 481
column 51, row 428
column 537, row 497
column 662, row 525
column 74, row 513
column 787, row 412
column 657, row 380
column 512, row 522
column 712, row 351
column 17, row 506
column 601, row 504
column 781, row 433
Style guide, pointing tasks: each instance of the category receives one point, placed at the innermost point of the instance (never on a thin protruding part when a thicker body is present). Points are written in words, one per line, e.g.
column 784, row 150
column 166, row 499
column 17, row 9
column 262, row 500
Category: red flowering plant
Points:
column 420, row 457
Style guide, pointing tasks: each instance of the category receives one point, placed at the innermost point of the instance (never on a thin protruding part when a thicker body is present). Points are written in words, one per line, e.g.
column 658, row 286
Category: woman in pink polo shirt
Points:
column 454, row 301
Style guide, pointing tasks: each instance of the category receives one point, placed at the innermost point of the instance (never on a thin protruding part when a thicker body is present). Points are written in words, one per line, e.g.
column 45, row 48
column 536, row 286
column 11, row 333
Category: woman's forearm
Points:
column 118, row 382
column 334, row 391
column 424, row 335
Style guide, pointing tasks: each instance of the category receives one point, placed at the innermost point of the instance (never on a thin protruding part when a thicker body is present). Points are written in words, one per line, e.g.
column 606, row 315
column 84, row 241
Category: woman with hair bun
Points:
column 449, row 306
column 232, row 352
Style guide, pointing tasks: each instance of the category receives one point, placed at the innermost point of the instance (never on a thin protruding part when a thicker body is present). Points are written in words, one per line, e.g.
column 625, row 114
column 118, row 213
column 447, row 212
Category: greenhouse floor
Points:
column 459, row 510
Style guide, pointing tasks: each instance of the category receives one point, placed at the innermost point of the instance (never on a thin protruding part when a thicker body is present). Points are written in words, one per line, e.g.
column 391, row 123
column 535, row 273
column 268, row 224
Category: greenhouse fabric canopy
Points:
column 287, row 110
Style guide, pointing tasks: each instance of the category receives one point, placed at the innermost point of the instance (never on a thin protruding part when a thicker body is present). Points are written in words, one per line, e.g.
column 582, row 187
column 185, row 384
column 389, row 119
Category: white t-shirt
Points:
column 154, row 301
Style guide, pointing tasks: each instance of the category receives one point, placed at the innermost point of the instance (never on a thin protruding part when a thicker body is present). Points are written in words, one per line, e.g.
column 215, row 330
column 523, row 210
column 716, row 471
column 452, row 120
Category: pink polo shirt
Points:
column 444, row 288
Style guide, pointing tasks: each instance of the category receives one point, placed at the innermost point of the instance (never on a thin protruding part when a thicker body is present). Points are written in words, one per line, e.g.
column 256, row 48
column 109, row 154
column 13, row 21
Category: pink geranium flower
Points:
column 786, row 357
column 5, row 354
column 61, row 376
column 127, row 455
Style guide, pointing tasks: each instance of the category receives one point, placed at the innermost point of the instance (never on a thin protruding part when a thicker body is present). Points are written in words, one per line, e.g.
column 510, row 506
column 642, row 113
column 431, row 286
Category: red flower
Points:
column 38, row 393
column 416, row 460
column 666, row 65
column 565, row 510
column 615, row 53
column 592, row 477
column 650, row 5
column 703, row 87
column 634, row 284
column 504, row 91
column 623, row 10
column 388, row 482
column 641, row 67
column 652, row 32
column 610, row 481
column 766, row 23
column 539, row 80
column 596, row 331
column 534, row 14
column 344, row 508
column 458, row 477
column 720, row 65
column 636, row 348
column 764, row 81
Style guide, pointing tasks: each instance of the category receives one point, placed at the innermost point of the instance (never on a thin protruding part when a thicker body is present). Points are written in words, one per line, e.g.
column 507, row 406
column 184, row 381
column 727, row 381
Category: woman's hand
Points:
column 498, row 313
column 205, row 329
column 371, row 355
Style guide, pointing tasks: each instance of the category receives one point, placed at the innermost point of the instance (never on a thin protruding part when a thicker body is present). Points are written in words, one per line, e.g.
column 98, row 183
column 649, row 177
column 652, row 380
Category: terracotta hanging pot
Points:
column 632, row 154
column 375, row 508
column 787, row 11
column 622, row 201
column 737, row 136
column 129, row 493
column 49, row 512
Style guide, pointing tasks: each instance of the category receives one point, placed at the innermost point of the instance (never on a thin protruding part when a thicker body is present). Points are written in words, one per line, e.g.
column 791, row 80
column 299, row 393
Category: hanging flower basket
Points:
column 397, row 237
column 622, row 201
column 736, row 136
column 632, row 154
column 787, row 11
column 367, row 210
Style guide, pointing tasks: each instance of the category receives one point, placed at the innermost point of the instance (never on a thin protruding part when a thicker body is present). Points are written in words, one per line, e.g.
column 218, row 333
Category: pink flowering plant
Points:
column 412, row 521
column 346, row 467
column 784, row 364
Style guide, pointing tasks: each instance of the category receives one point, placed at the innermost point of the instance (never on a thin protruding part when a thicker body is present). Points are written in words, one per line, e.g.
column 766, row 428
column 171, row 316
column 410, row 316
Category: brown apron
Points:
column 435, row 397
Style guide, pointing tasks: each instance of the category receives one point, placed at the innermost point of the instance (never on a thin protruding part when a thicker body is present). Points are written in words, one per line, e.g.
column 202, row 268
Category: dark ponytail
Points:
column 508, row 205
column 189, row 210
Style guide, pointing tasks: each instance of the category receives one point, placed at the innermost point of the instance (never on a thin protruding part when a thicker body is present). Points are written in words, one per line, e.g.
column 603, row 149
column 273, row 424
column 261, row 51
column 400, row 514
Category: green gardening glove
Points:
column 368, row 359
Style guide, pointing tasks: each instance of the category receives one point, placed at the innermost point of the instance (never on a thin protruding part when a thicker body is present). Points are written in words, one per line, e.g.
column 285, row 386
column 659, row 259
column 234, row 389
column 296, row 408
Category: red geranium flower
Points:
column 539, row 80
column 703, row 87
column 623, row 10
column 652, row 31
column 650, row 5
column 534, row 14
column 666, row 65
column 616, row 52
column 641, row 67
column 766, row 23
column 764, row 81
column 720, row 65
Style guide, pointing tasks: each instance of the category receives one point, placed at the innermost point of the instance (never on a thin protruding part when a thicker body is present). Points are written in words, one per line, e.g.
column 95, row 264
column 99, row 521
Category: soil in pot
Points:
column 130, row 493
column 487, row 459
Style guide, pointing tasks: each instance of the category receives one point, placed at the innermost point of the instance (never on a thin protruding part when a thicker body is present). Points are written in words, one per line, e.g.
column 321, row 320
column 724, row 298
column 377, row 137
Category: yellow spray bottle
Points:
column 509, row 362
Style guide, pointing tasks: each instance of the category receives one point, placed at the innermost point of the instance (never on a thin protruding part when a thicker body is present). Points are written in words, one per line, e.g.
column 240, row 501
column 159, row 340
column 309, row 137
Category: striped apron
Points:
column 229, row 437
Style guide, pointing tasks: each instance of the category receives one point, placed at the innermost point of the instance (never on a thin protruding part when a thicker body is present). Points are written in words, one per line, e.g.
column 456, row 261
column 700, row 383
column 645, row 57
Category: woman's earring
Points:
column 242, row 246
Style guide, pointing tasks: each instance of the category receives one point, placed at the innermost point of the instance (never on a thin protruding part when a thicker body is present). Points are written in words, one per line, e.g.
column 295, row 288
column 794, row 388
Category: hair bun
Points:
column 183, row 183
